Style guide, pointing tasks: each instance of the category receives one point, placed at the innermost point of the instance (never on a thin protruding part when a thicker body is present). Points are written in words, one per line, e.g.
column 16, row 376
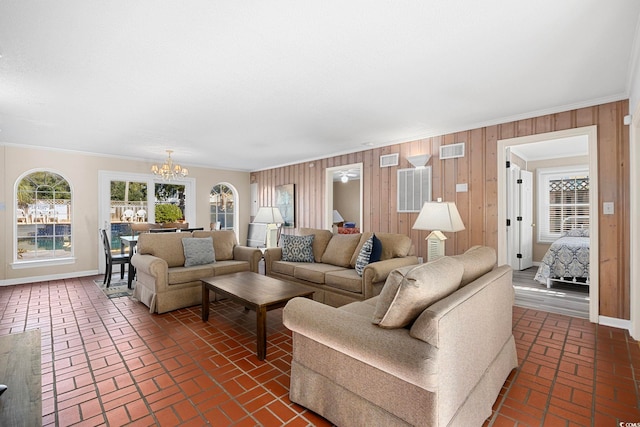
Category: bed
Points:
column 567, row 259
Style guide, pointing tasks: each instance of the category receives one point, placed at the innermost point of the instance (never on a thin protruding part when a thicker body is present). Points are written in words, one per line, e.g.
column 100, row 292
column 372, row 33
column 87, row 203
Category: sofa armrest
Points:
column 378, row 271
column 249, row 254
column 152, row 266
column 271, row 255
column 390, row 350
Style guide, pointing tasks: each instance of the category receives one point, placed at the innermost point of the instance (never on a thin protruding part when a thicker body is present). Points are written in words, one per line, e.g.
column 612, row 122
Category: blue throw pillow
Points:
column 376, row 251
column 297, row 248
column 364, row 256
column 198, row 251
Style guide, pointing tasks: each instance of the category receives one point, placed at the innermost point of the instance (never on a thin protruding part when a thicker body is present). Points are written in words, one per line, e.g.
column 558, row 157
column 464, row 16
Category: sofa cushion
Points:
column 401, row 302
column 340, row 249
column 167, row 246
column 394, row 245
column 198, row 251
column 229, row 266
column 284, row 267
column 314, row 272
column 297, row 248
column 223, row 242
column 320, row 240
column 476, row 261
column 179, row 275
column 346, row 279
column 364, row 255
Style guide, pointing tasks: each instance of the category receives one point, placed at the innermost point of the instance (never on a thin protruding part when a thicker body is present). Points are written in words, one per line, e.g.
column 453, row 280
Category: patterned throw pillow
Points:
column 297, row 248
column 198, row 251
column 364, row 256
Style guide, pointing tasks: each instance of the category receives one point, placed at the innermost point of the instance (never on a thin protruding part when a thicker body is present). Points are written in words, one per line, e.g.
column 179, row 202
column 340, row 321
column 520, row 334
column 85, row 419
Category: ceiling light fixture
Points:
column 169, row 170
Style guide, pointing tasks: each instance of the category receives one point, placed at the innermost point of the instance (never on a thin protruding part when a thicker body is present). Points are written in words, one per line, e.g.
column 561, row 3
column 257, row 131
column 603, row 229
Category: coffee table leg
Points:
column 261, row 328
column 205, row 302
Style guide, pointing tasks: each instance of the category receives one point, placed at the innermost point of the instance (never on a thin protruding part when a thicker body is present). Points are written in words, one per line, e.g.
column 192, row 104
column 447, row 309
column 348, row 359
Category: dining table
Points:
column 130, row 242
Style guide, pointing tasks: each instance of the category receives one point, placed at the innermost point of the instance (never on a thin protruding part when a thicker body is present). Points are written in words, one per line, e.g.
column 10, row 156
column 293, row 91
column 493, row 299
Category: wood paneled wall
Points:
column 479, row 206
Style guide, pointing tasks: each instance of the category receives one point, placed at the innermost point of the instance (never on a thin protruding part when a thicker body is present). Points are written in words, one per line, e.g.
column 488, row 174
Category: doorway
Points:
column 352, row 174
column 590, row 133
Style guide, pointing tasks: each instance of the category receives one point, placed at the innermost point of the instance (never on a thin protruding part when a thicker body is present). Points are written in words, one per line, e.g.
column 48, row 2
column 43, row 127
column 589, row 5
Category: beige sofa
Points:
column 332, row 275
column 446, row 367
column 163, row 283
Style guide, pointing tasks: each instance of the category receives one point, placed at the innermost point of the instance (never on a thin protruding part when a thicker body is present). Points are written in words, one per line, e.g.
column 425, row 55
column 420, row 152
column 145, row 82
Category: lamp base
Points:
column 435, row 245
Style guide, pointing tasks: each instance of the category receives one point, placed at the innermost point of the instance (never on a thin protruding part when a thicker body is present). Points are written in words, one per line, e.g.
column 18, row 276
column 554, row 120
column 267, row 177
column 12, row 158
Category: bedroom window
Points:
column 563, row 201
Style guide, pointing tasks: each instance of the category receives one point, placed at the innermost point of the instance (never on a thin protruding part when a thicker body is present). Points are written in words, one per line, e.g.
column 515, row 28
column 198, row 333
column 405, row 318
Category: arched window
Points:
column 43, row 217
column 222, row 202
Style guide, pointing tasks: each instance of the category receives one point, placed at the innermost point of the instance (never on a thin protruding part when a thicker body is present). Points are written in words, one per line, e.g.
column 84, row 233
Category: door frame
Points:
column 328, row 196
column 591, row 132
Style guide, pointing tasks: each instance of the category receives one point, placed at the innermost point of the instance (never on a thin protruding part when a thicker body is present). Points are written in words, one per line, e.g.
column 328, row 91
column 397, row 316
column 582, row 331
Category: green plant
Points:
column 167, row 213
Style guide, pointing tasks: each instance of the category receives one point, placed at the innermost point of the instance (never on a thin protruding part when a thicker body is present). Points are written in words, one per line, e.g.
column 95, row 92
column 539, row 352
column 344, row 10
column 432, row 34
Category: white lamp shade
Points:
column 337, row 217
column 268, row 215
column 442, row 216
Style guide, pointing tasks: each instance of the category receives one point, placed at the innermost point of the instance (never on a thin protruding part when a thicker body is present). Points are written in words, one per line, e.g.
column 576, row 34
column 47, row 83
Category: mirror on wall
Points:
column 344, row 195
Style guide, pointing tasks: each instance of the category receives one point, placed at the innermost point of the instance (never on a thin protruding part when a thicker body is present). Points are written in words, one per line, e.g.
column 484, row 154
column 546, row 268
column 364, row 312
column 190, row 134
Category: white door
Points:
column 525, row 220
column 513, row 201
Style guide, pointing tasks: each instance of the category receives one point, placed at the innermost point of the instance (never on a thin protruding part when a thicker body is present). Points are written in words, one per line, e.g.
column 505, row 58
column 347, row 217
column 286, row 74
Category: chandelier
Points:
column 169, row 170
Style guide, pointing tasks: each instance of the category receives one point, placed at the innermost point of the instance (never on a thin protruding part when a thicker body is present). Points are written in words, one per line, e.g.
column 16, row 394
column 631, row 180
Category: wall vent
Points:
column 414, row 188
column 452, row 151
column 389, row 160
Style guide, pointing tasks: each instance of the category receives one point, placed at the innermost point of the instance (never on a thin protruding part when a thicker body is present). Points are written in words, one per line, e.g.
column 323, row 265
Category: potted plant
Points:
column 167, row 214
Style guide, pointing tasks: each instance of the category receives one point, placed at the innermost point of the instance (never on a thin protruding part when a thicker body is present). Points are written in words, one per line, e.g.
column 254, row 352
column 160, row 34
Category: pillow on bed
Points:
column 577, row 232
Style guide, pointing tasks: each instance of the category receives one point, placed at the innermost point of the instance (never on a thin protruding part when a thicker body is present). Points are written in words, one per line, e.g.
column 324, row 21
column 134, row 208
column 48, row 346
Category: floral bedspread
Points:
column 567, row 257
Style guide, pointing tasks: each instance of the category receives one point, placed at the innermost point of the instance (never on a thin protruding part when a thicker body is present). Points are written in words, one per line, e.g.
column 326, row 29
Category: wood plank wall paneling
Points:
column 479, row 206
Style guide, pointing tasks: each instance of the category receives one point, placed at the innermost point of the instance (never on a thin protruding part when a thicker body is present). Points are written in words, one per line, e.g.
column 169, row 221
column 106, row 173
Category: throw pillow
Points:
column 297, row 248
column 198, row 251
column 400, row 304
column 376, row 251
column 364, row 256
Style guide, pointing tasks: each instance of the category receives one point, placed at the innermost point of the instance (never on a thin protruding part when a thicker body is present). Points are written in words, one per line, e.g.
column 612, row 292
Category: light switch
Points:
column 607, row 208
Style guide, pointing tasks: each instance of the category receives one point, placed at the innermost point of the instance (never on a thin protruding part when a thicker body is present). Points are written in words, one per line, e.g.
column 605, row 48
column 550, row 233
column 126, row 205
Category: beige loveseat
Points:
column 332, row 273
column 163, row 283
column 357, row 365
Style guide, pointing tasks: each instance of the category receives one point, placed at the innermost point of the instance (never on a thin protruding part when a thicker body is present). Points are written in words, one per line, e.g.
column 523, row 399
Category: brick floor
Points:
column 110, row 362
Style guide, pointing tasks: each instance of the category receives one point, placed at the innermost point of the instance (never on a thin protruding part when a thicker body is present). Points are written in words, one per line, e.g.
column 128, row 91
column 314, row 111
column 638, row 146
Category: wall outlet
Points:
column 420, row 259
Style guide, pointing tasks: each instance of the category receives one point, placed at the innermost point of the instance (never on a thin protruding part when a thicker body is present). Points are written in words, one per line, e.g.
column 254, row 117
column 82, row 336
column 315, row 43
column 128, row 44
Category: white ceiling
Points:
column 255, row 84
column 553, row 149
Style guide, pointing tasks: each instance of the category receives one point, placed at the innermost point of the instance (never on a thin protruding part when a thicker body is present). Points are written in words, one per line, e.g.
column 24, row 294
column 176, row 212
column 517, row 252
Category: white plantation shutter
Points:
column 414, row 188
column 563, row 197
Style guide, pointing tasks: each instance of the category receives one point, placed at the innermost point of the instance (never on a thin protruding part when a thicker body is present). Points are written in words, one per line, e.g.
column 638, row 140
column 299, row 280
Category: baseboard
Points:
column 615, row 322
column 47, row 278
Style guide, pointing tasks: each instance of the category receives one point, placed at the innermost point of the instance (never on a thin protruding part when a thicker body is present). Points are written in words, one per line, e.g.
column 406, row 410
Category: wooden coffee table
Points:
column 256, row 292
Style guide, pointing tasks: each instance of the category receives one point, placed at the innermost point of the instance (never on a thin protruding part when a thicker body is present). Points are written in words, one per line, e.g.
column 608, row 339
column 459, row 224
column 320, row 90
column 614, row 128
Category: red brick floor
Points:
column 109, row 362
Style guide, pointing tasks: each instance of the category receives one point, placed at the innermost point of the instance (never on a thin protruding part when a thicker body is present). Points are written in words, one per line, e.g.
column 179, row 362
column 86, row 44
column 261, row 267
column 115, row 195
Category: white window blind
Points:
column 563, row 201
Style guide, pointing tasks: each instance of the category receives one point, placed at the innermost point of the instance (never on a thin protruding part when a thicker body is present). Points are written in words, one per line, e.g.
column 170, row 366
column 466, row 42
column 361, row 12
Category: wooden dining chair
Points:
column 111, row 259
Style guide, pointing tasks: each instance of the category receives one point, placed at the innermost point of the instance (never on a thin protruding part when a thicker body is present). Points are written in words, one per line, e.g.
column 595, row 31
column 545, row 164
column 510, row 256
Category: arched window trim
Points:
column 21, row 264
column 236, row 204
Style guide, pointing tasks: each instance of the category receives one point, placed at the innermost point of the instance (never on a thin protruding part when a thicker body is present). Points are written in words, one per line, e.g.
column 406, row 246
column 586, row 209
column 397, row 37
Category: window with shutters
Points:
column 563, row 201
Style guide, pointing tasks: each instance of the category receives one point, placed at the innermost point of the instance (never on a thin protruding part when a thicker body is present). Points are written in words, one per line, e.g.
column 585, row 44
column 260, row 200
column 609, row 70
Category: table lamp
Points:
column 270, row 215
column 438, row 216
